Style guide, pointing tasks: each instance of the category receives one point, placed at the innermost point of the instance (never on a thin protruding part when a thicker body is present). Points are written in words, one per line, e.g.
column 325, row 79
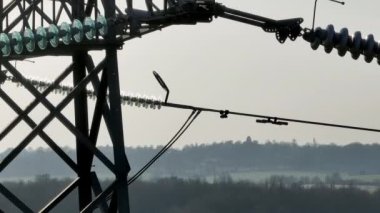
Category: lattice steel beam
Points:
column 30, row 16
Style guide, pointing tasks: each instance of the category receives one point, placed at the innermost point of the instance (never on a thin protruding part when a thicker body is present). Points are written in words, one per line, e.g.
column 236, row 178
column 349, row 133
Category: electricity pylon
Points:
column 75, row 28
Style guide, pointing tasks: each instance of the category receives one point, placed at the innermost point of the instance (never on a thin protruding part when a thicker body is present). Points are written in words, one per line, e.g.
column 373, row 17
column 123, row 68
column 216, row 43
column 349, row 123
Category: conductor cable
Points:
column 278, row 119
column 194, row 114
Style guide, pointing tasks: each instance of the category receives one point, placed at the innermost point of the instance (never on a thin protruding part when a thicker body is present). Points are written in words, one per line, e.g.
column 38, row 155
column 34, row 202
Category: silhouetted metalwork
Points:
column 38, row 28
column 75, row 28
column 156, row 103
column 163, row 85
column 83, row 27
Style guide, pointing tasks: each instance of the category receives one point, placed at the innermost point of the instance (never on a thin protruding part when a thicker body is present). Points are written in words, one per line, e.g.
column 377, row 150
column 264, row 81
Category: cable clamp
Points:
column 273, row 121
column 224, row 114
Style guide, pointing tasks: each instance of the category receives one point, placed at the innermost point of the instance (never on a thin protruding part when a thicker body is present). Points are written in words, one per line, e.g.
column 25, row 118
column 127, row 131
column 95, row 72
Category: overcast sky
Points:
column 230, row 65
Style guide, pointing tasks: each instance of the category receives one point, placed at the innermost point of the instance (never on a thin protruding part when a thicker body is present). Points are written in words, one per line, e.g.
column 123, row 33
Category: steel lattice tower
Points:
column 32, row 14
column 25, row 24
column 103, row 26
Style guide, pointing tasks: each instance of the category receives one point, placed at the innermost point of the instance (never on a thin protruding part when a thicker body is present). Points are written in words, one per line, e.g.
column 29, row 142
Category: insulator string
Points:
column 130, row 99
column 41, row 37
column 156, row 103
column 144, row 101
column 344, row 43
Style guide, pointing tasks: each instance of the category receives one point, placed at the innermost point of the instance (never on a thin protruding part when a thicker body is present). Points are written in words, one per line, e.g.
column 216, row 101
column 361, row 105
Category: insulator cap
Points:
column 355, row 46
column 29, row 40
column 343, row 42
column 328, row 42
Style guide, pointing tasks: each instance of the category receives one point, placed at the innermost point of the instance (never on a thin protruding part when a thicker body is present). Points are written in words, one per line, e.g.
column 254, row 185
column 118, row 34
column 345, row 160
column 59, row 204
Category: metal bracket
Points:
column 273, row 121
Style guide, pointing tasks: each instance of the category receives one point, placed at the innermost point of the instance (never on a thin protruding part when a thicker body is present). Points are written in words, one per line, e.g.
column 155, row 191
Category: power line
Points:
column 194, row 114
column 174, row 139
column 157, row 103
column 268, row 117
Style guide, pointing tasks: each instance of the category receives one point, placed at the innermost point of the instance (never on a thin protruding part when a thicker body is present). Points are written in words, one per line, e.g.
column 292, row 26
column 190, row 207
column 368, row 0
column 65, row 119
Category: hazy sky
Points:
column 230, row 65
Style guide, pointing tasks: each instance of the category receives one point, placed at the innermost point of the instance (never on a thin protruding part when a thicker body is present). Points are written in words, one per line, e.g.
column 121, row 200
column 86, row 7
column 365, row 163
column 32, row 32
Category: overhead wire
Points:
column 189, row 121
column 227, row 112
column 143, row 100
column 170, row 143
column 197, row 110
column 156, row 103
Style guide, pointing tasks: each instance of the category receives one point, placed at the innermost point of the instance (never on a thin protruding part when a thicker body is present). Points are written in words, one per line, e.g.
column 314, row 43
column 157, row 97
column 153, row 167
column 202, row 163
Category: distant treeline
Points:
column 173, row 195
column 217, row 158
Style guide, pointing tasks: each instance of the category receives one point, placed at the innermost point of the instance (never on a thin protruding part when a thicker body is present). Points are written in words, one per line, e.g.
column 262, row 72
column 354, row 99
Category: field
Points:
column 368, row 182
